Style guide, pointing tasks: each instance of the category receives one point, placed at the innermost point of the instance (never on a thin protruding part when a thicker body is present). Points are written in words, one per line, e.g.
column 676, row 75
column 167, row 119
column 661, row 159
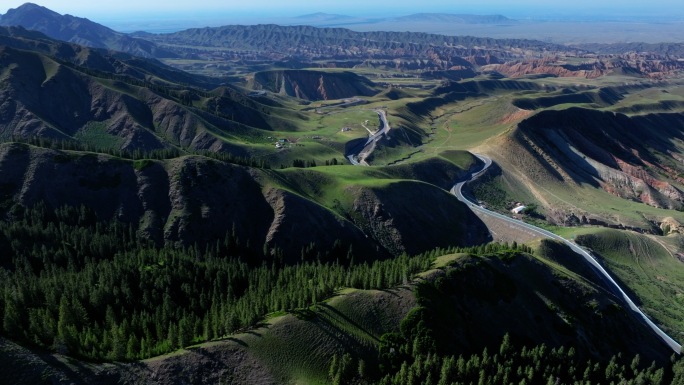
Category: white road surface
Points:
column 456, row 190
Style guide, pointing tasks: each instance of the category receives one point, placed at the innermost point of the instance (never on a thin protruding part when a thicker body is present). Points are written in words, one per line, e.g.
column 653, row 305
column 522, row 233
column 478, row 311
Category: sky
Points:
column 97, row 10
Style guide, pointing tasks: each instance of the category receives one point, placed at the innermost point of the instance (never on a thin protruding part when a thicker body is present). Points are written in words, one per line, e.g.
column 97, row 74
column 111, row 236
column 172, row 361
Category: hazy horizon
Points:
column 579, row 22
column 657, row 10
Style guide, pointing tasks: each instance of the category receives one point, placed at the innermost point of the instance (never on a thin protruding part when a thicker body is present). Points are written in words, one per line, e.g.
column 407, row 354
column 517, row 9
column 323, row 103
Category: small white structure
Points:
column 518, row 209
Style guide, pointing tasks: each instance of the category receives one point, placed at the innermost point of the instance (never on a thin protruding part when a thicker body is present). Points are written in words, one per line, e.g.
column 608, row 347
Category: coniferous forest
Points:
column 422, row 352
column 510, row 364
column 97, row 291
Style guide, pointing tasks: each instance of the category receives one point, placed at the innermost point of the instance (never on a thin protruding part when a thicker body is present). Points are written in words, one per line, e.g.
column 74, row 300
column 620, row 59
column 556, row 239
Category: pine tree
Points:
column 11, row 320
column 66, row 331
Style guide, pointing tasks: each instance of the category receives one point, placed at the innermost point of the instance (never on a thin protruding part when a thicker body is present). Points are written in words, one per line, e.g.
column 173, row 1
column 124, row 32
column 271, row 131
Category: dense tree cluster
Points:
column 91, row 289
column 521, row 365
column 509, row 364
column 420, row 353
column 142, row 157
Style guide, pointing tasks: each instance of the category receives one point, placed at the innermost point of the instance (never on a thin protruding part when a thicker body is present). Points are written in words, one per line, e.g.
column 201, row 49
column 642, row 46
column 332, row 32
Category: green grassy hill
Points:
column 647, row 266
column 223, row 227
column 467, row 304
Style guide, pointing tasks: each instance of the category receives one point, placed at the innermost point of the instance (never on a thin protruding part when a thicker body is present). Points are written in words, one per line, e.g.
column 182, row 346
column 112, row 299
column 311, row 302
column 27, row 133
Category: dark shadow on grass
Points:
column 237, row 341
column 348, row 342
column 389, row 291
column 349, row 320
column 82, row 375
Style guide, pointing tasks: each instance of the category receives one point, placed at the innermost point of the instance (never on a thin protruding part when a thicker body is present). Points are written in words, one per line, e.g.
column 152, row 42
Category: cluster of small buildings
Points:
column 280, row 143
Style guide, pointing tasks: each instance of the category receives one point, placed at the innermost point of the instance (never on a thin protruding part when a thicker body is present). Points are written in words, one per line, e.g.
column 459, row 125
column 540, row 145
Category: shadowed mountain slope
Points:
column 199, row 200
column 109, row 101
column 100, row 60
column 78, row 30
column 621, row 154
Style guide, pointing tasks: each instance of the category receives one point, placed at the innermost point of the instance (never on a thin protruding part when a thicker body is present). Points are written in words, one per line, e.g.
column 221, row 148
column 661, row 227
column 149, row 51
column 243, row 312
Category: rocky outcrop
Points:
column 547, row 66
column 612, row 151
column 314, row 85
column 642, row 65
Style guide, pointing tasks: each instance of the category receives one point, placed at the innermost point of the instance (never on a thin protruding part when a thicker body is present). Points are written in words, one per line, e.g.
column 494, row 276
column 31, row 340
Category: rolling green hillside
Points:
column 100, row 60
column 184, row 200
column 602, row 152
column 162, row 227
column 124, row 104
column 443, row 314
column 648, row 267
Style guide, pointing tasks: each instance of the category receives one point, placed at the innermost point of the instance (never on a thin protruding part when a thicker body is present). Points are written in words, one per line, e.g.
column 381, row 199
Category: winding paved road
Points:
column 457, row 191
column 369, row 146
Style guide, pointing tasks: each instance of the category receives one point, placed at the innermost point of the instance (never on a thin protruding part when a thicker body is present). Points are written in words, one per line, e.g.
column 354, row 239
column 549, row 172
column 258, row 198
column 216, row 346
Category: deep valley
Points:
column 265, row 204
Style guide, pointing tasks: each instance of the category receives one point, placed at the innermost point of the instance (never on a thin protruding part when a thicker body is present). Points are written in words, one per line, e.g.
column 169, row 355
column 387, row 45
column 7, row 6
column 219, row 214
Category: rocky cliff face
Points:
column 641, row 65
column 546, row 66
column 632, row 157
column 314, row 85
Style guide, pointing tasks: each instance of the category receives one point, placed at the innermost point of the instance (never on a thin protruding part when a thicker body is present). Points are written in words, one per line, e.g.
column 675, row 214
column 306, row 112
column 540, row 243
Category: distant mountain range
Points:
column 455, row 18
column 78, row 30
column 321, row 19
column 322, row 16
column 181, row 163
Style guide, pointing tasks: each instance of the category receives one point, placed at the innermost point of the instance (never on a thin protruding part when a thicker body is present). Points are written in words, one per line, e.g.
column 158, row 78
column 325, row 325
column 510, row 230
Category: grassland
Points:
column 297, row 347
column 650, row 267
column 484, row 123
column 337, row 187
column 488, row 124
column 95, row 135
column 557, row 199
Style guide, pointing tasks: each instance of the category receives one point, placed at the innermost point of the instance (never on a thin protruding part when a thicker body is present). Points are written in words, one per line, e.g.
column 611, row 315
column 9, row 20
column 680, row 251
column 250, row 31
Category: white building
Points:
column 518, row 209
